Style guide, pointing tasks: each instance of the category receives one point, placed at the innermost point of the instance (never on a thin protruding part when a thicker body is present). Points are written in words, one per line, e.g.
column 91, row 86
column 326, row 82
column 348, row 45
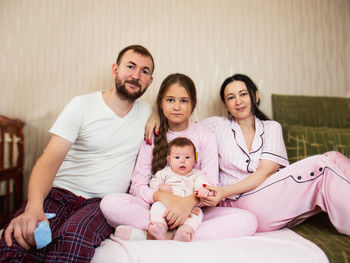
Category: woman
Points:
column 251, row 151
column 176, row 101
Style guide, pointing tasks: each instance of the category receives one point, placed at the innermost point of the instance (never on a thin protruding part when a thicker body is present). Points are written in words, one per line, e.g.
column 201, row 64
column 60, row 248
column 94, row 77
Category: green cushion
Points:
column 311, row 110
column 304, row 141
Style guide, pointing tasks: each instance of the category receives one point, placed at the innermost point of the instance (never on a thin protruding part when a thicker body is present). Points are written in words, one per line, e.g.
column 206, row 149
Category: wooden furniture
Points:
column 11, row 167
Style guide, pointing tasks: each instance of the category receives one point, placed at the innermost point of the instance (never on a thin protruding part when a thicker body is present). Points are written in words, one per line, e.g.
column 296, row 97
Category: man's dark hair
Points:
column 137, row 49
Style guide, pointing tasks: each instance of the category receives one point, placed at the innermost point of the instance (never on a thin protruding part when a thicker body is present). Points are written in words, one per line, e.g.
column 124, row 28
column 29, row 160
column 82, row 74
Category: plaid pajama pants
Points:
column 78, row 228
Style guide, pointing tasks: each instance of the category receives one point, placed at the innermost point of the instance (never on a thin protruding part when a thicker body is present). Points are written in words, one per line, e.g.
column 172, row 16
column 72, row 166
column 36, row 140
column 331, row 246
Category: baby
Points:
column 179, row 178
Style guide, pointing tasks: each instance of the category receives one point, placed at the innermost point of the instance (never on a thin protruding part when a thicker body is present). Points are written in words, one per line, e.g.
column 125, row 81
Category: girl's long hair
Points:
column 160, row 149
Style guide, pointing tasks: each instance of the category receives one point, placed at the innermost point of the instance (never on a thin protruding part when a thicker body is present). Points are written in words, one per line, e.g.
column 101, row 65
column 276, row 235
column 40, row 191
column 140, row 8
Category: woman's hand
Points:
column 266, row 168
column 153, row 124
column 219, row 194
column 22, row 227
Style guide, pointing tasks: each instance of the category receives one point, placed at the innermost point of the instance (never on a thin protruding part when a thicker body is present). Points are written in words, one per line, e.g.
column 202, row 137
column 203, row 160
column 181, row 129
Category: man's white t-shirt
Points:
column 105, row 146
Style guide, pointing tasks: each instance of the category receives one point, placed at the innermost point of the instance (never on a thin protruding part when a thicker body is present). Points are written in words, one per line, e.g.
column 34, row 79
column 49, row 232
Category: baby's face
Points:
column 181, row 159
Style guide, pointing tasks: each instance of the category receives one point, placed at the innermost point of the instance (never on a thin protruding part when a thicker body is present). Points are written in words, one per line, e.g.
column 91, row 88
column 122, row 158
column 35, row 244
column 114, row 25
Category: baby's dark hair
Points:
column 181, row 142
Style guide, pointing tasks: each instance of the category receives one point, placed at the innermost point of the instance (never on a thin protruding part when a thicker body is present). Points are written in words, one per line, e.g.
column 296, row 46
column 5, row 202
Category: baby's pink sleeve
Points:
column 142, row 174
column 156, row 180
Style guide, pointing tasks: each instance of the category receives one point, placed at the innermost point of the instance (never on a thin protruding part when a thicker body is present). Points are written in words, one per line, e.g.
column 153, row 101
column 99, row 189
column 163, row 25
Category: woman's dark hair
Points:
column 160, row 149
column 252, row 90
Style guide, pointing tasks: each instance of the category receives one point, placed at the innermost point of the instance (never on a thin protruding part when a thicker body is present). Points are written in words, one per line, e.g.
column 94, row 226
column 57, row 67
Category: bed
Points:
column 274, row 247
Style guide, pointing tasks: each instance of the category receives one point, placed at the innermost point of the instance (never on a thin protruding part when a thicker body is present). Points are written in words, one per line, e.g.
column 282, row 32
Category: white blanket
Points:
column 282, row 246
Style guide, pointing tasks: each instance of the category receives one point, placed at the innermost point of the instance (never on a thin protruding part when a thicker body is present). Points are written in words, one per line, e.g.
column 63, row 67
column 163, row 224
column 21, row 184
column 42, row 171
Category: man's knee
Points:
column 81, row 235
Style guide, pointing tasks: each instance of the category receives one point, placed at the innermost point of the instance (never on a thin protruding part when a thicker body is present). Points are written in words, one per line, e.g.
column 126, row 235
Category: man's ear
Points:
column 114, row 70
column 150, row 81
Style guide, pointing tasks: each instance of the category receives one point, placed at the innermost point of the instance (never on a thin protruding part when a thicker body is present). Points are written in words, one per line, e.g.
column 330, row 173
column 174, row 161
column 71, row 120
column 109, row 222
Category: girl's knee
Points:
column 251, row 222
column 111, row 201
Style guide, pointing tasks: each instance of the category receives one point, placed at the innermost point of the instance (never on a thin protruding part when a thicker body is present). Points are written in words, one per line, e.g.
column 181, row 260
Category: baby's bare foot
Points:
column 158, row 230
column 184, row 233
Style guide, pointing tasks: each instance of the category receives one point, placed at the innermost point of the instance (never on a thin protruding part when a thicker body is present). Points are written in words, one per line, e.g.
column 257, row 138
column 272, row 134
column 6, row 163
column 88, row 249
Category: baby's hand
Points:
column 165, row 187
column 202, row 192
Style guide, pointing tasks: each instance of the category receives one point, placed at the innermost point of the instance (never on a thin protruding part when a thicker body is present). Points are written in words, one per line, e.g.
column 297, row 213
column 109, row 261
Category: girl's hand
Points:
column 219, row 194
column 153, row 124
column 178, row 212
column 165, row 187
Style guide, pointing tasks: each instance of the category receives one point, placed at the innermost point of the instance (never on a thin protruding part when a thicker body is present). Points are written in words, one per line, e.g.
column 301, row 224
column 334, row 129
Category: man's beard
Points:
column 122, row 91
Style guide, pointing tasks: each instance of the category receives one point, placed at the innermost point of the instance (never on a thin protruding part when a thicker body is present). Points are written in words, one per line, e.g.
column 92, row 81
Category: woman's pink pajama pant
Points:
column 288, row 197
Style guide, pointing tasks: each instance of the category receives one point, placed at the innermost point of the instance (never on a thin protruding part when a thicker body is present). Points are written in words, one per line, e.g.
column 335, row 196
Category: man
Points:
column 91, row 153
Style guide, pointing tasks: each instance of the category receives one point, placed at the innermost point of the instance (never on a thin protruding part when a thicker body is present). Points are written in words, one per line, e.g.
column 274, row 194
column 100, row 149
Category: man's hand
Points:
column 22, row 228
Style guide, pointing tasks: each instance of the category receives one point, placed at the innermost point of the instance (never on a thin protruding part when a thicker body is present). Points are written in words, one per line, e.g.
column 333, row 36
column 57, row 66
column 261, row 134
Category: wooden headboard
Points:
column 11, row 167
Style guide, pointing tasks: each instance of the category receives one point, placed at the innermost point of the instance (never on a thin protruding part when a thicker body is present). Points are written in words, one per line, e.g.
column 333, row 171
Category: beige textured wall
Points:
column 52, row 50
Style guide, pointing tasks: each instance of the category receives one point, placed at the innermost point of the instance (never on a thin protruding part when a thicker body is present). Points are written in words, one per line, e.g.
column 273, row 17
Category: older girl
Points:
column 176, row 101
column 251, row 152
